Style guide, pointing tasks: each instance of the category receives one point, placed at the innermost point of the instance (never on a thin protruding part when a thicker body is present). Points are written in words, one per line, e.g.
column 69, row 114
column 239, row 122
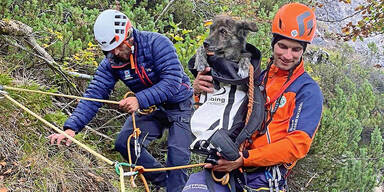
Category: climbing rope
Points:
column 59, row 130
column 223, row 180
column 59, row 95
column 134, row 170
column 251, row 87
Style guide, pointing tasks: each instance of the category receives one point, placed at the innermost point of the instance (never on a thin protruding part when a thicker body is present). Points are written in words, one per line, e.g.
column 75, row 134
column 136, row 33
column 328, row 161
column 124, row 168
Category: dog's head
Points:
column 227, row 37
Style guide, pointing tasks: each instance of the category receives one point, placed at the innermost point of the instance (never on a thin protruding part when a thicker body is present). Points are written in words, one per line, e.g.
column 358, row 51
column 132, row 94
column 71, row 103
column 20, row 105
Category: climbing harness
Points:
column 134, row 170
column 274, row 178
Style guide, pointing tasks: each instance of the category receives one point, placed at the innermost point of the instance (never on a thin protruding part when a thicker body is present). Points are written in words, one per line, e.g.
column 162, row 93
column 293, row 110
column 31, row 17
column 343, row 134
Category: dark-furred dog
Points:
column 227, row 39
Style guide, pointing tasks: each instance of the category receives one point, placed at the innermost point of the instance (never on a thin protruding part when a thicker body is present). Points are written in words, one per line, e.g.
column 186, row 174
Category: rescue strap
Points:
column 226, row 178
column 134, row 170
column 277, row 97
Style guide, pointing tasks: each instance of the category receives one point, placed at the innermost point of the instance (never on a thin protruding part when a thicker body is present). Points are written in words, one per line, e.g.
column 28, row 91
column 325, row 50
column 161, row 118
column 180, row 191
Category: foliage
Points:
column 348, row 148
column 370, row 22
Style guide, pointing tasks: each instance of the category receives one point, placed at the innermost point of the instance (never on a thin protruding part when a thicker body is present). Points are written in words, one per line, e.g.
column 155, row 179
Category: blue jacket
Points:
column 155, row 54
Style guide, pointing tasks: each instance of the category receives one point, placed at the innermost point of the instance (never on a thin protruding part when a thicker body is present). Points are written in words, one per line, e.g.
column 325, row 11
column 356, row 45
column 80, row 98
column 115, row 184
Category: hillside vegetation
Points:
column 346, row 155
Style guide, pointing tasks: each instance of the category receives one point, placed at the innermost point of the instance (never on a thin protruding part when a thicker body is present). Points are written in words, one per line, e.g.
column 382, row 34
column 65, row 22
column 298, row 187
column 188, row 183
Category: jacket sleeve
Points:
column 170, row 72
column 99, row 88
column 302, row 127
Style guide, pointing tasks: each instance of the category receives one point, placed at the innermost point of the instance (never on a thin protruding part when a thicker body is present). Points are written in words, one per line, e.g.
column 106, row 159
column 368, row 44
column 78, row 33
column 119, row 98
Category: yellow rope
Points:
column 135, row 133
column 61, row 95
column 122, row 186
column 60, row 131
column 144, row 182
column 147, row 111
column 224, row 180
column 140, row 169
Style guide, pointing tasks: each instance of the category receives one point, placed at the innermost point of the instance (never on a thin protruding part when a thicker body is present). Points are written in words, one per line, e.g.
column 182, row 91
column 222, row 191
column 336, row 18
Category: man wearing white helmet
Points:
column 147, row 63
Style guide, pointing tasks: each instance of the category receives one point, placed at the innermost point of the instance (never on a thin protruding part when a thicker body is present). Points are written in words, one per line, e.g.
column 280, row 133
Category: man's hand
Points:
column 61, row 137
column 129, row 104
column 225, row 165
column 203, row 82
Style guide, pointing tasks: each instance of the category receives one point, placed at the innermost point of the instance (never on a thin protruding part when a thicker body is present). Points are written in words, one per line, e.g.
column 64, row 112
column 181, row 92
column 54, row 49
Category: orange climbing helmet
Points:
column 295, row 21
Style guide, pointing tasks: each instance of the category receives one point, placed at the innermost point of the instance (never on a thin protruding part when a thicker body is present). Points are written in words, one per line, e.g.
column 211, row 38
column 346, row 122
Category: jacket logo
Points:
column 217, row 100
column 300, row 21
column 283, row 101
column 127, row 75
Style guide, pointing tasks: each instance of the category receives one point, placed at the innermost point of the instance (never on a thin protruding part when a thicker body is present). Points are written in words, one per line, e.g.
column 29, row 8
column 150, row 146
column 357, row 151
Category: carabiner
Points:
column 137, row 147
column 132, row 173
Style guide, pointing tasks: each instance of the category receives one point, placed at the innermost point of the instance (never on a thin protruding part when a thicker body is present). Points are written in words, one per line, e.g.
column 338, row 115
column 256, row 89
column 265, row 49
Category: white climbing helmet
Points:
column 111, row 28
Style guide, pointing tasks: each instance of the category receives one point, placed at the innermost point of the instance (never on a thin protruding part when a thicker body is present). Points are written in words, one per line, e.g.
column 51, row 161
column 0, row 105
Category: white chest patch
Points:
column 283, row 101
column 127, row 75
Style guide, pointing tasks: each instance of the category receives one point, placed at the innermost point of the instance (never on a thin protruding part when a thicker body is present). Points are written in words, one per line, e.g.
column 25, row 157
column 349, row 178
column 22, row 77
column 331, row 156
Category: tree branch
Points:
column 164, row 10
column 339, row 20
column 19, row 29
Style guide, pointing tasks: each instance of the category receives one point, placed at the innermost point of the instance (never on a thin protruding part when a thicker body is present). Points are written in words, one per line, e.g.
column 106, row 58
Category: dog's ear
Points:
column 251, row 26
column 244, row 27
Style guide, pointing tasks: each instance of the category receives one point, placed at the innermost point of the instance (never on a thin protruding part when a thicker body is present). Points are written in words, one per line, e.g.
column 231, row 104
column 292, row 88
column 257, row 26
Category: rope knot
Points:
column 140, row 169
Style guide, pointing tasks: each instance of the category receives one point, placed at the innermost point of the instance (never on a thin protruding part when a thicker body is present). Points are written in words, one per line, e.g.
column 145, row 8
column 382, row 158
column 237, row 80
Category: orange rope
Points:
column 250, row 93
column 224, row 180
column 144, row 182
column 251, row 88
column 141, row 169
column 136, row 132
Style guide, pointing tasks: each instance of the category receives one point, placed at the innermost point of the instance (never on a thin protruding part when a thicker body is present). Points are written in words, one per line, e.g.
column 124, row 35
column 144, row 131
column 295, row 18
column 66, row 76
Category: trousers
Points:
column 176, row 118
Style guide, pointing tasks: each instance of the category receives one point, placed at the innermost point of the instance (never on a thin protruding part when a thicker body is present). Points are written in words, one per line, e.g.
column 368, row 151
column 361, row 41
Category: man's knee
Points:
column 121, row 144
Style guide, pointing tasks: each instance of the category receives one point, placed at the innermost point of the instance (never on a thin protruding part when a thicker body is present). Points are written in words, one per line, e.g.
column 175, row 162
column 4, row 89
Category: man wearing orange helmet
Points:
column 147, row 63
column 294, row 105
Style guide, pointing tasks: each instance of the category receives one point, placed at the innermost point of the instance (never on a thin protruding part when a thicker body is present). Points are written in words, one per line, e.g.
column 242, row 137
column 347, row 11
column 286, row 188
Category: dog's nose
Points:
column 206, row 44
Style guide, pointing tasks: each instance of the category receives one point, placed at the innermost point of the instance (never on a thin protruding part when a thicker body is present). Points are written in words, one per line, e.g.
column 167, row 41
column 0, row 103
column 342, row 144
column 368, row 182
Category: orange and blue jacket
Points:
column 289, row 135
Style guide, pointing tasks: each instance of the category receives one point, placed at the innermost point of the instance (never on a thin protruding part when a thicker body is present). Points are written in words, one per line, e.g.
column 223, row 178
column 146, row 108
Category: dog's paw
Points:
column 201, row 59
column 244, row 64
column 243, row 73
